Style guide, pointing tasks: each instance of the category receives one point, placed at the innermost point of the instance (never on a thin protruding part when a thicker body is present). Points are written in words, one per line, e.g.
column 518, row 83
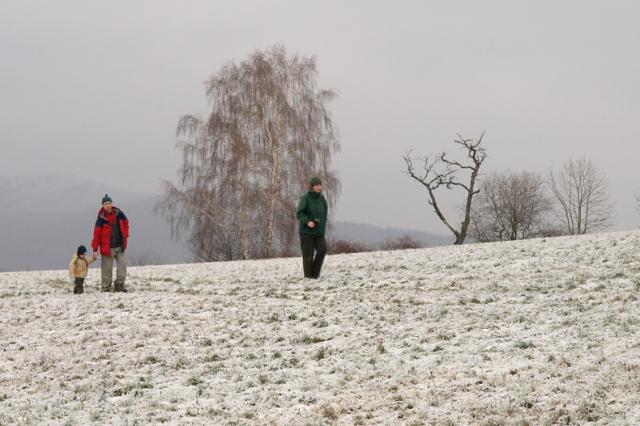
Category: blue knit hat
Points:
column 81, row 250
column 106, row 199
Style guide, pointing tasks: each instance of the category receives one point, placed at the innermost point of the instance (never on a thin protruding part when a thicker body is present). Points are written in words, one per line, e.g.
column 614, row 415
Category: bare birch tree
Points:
column 206, row 198
column 245, row 166
column 510, row 206
column 581, row 192
column 441, row 172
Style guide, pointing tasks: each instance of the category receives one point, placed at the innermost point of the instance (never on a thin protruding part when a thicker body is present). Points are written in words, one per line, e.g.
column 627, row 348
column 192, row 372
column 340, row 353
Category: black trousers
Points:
column 310, row 263
column 78, row 286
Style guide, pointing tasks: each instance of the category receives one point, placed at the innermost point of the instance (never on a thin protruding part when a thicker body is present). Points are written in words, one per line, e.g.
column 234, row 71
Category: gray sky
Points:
column 94, row 89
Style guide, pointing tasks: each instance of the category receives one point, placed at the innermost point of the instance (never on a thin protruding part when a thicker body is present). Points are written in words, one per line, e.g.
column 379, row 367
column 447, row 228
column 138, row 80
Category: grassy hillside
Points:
column 533, row 332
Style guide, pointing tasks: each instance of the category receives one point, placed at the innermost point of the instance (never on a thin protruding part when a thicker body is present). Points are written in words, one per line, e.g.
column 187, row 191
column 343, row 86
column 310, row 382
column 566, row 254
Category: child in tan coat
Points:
column 78, row 269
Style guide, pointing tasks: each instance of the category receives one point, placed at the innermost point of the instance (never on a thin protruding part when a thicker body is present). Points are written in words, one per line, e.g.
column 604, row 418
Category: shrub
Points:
column 401, row 243
column 345, row 247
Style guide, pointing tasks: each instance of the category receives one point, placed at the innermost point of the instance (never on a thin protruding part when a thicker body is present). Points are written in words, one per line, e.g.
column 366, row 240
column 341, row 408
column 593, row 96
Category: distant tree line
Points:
column 405, row 242
column 502, row 206
column 269, row 129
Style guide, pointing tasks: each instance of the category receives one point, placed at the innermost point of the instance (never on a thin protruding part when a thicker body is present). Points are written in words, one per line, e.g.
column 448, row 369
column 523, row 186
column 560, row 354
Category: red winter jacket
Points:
column 102, row 231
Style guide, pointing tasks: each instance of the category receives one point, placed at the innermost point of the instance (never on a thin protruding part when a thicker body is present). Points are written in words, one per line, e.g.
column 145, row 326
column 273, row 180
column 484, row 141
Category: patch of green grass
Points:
column 520, row 344
column 413, row 301
column 151, row 359
column 181, row 363
column 320, row 355
column 329, row 412
column 133, row 388
column 308, row 340
column 194, row 381
column 274, row 317
column 212, row 358
column 215, row 368
column 320, row 324
column 273, row 293
column 294, row 362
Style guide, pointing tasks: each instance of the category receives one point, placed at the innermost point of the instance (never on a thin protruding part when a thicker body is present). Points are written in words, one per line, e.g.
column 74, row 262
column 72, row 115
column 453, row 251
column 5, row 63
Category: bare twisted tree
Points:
column 442, row 172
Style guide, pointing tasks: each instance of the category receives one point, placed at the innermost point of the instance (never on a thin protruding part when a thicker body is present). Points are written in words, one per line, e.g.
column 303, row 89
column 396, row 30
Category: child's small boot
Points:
column 78, row 287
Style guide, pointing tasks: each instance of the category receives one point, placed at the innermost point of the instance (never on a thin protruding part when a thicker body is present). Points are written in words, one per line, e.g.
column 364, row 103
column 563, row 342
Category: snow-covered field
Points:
column 534, row 332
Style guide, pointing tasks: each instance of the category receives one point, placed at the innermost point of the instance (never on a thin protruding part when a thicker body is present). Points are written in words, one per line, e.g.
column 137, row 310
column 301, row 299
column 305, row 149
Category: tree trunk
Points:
column 274, row 143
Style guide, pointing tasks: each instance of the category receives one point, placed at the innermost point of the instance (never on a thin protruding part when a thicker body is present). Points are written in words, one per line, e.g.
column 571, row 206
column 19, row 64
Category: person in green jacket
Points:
column 312, row 215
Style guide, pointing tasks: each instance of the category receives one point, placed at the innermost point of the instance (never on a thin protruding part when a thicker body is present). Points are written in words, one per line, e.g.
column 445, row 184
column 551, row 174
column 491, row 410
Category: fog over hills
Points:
column 372, row 235
column 45, row 218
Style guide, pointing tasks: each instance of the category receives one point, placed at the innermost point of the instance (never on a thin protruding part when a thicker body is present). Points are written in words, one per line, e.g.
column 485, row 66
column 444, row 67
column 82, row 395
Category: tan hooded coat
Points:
column 80, row 265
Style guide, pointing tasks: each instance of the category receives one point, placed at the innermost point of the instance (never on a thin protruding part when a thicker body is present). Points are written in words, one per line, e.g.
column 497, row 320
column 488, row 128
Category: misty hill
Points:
column 372, row 235
column 45, row 218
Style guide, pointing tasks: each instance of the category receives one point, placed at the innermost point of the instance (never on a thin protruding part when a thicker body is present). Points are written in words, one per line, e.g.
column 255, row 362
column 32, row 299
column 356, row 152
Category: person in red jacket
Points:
column 110, row 240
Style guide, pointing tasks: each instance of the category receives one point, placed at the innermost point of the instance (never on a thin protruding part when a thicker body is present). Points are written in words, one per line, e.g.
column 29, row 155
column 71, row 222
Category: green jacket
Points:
column 312, row 207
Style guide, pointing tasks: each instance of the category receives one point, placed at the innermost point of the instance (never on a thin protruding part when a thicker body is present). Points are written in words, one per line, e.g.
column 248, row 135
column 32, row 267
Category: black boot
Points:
column 78, row 287
column 321, row 251
column 119, row 288
column 307, row 266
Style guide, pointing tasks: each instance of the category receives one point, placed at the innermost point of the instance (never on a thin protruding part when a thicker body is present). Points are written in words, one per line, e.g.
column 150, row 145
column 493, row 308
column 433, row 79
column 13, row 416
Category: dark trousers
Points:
column 311, row 264
column 78, row 286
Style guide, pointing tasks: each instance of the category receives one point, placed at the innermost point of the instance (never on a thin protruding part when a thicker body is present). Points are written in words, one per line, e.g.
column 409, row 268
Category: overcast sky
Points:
column 94, row 89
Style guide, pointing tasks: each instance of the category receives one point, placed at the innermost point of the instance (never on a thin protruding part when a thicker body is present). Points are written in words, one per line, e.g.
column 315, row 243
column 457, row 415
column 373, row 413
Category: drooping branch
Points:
column 431, row 184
